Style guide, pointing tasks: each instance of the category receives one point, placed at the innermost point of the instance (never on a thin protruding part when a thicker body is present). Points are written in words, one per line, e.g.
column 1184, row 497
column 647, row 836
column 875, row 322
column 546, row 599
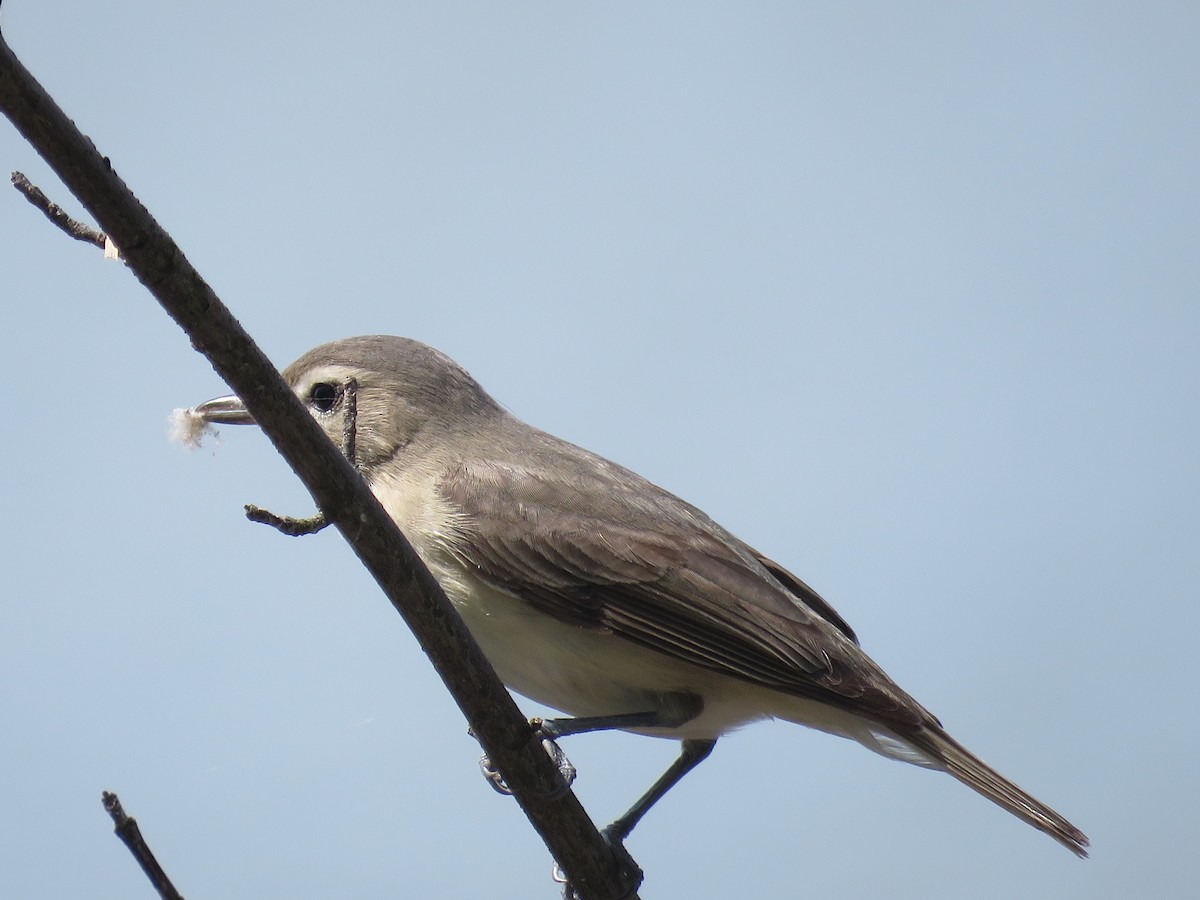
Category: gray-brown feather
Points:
column 599, row 547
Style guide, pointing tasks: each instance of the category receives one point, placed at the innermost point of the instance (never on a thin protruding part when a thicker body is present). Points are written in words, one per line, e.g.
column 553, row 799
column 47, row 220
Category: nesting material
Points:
column 189, row 428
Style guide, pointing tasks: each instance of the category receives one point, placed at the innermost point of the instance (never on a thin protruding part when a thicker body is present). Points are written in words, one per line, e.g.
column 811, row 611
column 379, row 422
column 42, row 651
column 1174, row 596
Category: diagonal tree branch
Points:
column 126, row 828
column 594, row 869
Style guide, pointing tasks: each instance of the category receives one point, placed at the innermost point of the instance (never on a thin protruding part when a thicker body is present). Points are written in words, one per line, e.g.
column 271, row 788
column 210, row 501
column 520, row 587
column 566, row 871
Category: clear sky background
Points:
column 905, row 295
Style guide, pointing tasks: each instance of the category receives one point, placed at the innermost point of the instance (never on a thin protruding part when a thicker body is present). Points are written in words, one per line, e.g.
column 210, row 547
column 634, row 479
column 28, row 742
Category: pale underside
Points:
column 589, row 672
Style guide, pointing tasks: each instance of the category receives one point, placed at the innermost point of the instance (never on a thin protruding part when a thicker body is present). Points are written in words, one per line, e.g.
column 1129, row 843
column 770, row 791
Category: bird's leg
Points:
column 556, row 728
column 668, row 710
column 672, row 710
column 549, row 730
column 691, row 754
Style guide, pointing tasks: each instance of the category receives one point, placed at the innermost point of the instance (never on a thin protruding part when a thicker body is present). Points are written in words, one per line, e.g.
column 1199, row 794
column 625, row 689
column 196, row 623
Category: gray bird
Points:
column 595, row 592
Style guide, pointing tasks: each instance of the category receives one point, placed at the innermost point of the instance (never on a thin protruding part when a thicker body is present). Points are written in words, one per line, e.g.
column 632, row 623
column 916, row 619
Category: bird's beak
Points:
column 224, row 411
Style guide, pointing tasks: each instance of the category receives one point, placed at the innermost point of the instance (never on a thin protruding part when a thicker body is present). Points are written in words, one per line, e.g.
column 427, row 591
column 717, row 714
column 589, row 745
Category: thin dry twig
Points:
column 294, row 527
column 56, row 214
column 289, row 525
column 127, row 830
column 350, row 421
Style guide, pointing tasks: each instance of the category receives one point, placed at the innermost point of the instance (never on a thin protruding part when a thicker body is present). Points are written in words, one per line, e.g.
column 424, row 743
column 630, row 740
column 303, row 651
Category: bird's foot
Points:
column 565, row 768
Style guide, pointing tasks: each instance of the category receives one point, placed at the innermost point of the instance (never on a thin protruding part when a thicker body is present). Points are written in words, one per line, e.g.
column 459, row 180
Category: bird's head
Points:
column 406, row 393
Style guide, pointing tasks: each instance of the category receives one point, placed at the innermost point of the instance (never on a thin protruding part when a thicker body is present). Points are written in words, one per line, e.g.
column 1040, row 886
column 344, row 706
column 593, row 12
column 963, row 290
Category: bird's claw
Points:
column 493, row 776
column 558, row 876
column 565, row 768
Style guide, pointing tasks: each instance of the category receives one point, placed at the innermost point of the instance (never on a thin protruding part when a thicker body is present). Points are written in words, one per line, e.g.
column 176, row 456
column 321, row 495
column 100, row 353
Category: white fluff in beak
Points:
column 189, row 428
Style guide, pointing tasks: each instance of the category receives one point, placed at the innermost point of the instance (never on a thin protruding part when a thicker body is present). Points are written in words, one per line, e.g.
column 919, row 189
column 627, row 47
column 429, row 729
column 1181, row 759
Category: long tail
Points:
column 947, row 753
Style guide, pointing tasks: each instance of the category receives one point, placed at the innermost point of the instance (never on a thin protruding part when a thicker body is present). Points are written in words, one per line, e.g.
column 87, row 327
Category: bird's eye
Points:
column 324, row 396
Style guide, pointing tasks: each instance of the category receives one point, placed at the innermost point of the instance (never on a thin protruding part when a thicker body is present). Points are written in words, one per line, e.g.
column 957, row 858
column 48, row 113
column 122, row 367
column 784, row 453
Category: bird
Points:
column 595, row 592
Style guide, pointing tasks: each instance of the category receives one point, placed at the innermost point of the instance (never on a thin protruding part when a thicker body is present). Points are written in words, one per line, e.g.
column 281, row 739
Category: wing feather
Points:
column 648, row 567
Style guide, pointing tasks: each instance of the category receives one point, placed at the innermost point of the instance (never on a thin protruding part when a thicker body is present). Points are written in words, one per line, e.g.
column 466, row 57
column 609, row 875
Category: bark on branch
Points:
column 589, row 862
column 126, row 828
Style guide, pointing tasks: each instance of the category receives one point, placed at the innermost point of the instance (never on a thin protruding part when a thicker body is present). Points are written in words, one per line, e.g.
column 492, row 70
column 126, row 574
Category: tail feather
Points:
column 953, row 757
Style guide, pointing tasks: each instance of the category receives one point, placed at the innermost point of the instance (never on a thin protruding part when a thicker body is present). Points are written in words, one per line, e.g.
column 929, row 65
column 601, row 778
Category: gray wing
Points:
column 602, row 548
column 806, row 595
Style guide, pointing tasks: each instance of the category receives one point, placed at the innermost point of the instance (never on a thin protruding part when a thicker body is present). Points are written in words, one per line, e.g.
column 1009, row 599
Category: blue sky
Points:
column 905, row 296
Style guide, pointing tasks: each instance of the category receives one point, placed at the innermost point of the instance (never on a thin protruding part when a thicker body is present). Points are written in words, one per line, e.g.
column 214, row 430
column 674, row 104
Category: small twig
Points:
column 127, row 830
column 290, row 525
column 56, row 214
